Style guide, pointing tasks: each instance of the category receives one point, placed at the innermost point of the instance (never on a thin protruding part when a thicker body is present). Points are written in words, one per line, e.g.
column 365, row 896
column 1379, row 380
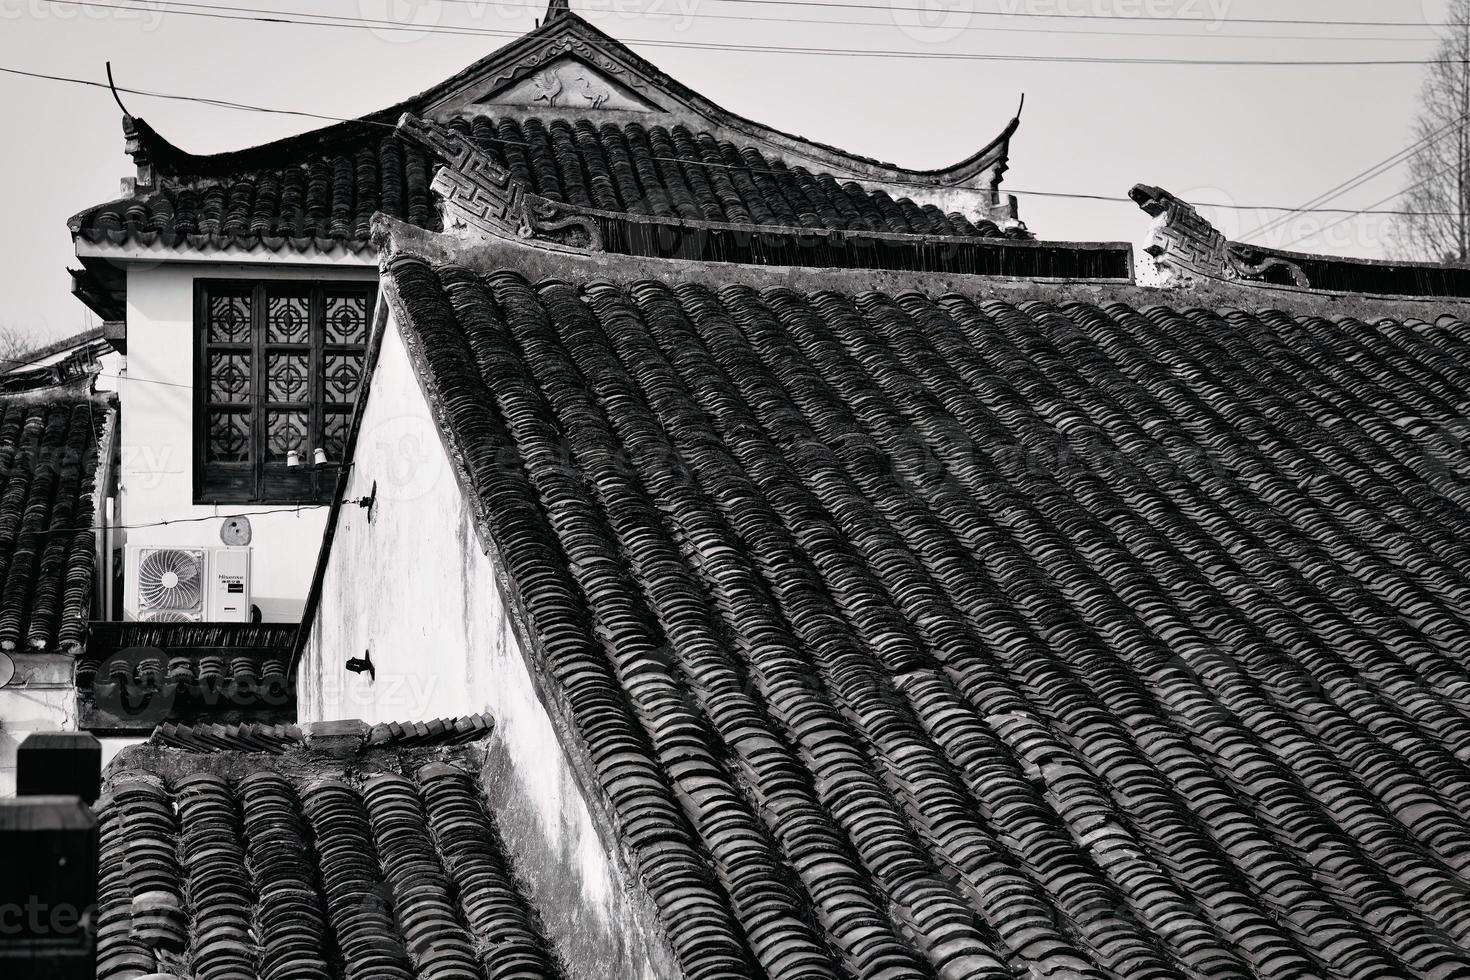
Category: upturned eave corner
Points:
column 153, row 155
column 986, row 167
column 135, row 146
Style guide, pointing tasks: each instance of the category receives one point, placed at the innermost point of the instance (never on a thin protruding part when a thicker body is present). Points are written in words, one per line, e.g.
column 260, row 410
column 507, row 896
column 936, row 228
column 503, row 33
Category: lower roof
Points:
column 132, row 676
column 258, row 737
column 270, row 858
column 51, row 442
column 911, row 628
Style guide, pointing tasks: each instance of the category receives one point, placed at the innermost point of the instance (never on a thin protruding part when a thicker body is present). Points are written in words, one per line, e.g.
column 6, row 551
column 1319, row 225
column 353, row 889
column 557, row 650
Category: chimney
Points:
column 59, row 764
column 48, row 834
column 48, row 893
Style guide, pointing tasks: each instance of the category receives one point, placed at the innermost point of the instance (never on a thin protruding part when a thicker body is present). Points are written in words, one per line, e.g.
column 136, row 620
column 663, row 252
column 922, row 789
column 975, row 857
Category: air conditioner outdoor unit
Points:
column 187, row 585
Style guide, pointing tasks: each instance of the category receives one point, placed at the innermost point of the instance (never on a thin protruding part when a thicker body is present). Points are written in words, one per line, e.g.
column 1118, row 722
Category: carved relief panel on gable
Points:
column 568, row 83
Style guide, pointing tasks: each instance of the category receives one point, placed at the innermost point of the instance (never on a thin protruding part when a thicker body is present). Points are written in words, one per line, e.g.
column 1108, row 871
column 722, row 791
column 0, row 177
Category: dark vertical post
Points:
column 59, row 764
column 48, row 892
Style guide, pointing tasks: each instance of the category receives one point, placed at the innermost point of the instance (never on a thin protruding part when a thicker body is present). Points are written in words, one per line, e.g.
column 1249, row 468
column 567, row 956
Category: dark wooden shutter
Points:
column 278, row 369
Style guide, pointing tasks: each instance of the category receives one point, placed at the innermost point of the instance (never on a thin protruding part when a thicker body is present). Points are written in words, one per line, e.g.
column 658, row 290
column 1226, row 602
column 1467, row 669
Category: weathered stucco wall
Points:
column 408, row 583
column 40, row 698
column 156, row 452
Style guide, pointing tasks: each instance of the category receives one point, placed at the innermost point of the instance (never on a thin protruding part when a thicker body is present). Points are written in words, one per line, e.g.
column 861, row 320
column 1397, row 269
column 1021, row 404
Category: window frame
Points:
column 260, row 480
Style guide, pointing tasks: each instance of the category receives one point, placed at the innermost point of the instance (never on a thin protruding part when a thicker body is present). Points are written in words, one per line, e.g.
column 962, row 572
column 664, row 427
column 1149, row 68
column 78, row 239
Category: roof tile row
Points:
column 247, row 737
column 671, row 172
column 319, row 202
column 327, row 201
column 969, row 637
column 310, row 871
column 258, row 737
column 49, row 452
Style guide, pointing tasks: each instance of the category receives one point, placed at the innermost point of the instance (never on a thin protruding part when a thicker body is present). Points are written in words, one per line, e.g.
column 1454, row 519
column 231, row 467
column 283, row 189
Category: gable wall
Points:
column 410, row 584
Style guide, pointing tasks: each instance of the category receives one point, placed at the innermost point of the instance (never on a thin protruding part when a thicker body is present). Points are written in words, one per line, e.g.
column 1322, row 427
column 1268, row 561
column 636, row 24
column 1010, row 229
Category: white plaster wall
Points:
column 156, row 448
column 40, row 698
column 413, row 587
column 113, row 366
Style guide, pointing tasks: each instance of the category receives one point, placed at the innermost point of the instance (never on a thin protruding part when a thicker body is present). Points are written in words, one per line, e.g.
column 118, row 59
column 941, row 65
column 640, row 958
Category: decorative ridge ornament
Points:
column 1185, row 245
column 476, row 192
column 555, row 9
column 135, row 145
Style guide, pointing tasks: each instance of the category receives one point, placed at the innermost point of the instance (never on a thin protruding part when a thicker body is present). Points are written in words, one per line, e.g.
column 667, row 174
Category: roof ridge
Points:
column 396, row 240
column 322, row 738
column 391, row 237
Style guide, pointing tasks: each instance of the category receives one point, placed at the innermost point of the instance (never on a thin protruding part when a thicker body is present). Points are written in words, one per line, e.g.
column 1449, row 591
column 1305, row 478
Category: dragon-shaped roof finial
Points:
column 555, row 9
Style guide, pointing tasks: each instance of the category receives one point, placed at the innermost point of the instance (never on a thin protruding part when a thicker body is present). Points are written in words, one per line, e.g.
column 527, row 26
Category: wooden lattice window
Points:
column 278, row 369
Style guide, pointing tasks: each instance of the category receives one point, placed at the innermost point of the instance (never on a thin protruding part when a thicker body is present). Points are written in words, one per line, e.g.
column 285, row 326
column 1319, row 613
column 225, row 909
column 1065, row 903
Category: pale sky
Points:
column 1247, row 135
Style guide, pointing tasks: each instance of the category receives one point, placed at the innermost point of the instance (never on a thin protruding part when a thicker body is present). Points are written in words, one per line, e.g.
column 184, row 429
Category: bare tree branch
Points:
column 1437, row 190
column 15, row 344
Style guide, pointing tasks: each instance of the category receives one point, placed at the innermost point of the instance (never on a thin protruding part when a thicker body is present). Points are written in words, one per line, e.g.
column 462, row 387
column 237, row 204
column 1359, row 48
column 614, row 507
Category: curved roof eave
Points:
column 146, row 144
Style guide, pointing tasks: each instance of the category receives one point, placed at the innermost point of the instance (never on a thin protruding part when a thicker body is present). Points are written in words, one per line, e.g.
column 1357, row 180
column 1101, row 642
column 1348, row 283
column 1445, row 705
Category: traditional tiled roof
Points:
column 671, row 172
column 51, row 442
column 246, row 737
column 65, row 362
column 321, row 197
column 250, row 737
column 133, row 675
column 325, row 197
column 640, row 144
column 305, row 864
column 909, row 631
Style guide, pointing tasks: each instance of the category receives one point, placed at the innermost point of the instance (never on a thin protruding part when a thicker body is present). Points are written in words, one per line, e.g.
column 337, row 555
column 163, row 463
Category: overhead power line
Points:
column 988, row 26
column 1359, row 179
column 1369, row 209
column 282, row 510
column 1062, row 15
column 362, row 23
column 1071, row 195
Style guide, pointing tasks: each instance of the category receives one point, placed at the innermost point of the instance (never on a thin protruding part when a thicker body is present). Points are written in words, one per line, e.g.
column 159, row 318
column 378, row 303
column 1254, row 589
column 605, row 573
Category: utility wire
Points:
column 890, row 25
column 1173, row 19
column 221, row 103
column 1369, row 210
column 1359, row 179
column 361, row 23
column 1069, row 195
column 146, row 381
column 283, row 509
column 893, row 8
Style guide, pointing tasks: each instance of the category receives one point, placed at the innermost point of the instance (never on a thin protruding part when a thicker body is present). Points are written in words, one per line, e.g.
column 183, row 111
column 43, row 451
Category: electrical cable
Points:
column 1093, row 17
column 704, row 15
column 363, row 23
column 1359, row 179
column 1369, row 210
column 1070, row 195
